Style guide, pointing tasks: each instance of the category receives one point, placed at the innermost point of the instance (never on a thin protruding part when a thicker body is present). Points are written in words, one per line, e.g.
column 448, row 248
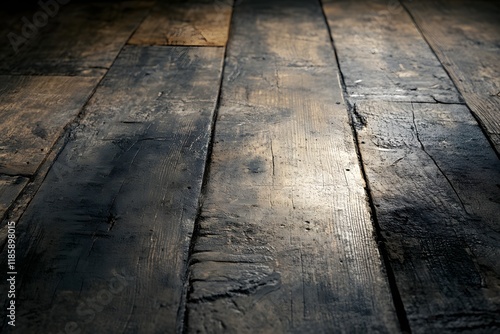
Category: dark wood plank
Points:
column 434, row 179
column 466, row 37
column 10, row 188
column 79, row 39
column 105, row 241
column 35, row 111
column 285, row 242
column 195, row 23
column 382, row 55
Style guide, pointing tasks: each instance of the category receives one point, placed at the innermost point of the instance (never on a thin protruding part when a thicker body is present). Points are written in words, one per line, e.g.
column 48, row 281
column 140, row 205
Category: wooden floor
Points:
column 264, row 166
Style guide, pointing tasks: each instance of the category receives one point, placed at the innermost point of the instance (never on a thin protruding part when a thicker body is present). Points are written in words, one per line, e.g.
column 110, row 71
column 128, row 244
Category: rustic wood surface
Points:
column 289, row 184
column 80, row 39
column 382, row 55
column 285, row 243
column 466, row 37
column 35, row 111
column 105, row 241
column 434, row 181
column 194, row 23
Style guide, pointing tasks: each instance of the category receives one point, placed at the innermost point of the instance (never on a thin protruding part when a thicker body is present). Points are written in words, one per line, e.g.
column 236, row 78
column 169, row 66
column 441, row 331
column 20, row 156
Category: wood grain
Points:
column 382, row 55
column 10, row 188
column 104, row 244
column 466, row 37
column 80, row 39
column 285, row 243
column 434, row 181
column 35, row 111
column 195, row 23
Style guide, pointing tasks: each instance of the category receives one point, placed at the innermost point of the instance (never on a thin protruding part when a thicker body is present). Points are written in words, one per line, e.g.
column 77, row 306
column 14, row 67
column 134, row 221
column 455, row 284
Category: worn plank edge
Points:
column 353, row 118
column 182, row 314
column 17, row 208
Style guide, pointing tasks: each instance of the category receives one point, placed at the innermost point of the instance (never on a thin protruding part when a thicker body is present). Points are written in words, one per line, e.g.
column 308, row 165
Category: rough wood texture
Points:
column 435, row 184
column 105, row 241
column 466, row 37
column 80, row 39
column 34, row 112
column 198, row 22
column 10, row 188
column 382, row 55
column 285, row 243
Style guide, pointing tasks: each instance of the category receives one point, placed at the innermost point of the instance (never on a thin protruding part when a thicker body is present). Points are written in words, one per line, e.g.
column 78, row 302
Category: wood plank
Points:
column 35, row 111
column 10, row 188
column 434, row 181
column 105, row 241
column 466, row 37
column 195, row 23
column 382, row 55
column 285, row 242
column 79, row 39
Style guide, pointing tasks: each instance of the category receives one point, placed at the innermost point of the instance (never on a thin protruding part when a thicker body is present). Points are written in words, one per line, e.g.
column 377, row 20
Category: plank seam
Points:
column 16, row 210
column 182, row 314
column 351, row 109
column 482, row 126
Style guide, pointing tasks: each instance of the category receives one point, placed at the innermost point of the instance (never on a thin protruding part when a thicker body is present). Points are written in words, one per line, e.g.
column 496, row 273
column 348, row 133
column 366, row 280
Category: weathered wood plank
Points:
column 34, row 112
column 466, row 37
column 285, row 243
column 434, row 181
column 195, row 23
column 78, row 39
column 105, row 241
column 10, row 188
column 382, row 55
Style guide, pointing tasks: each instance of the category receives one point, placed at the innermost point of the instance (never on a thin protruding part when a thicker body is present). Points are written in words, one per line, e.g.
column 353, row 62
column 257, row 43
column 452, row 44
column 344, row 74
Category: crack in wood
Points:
column 422, row 146
column 272, row 159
